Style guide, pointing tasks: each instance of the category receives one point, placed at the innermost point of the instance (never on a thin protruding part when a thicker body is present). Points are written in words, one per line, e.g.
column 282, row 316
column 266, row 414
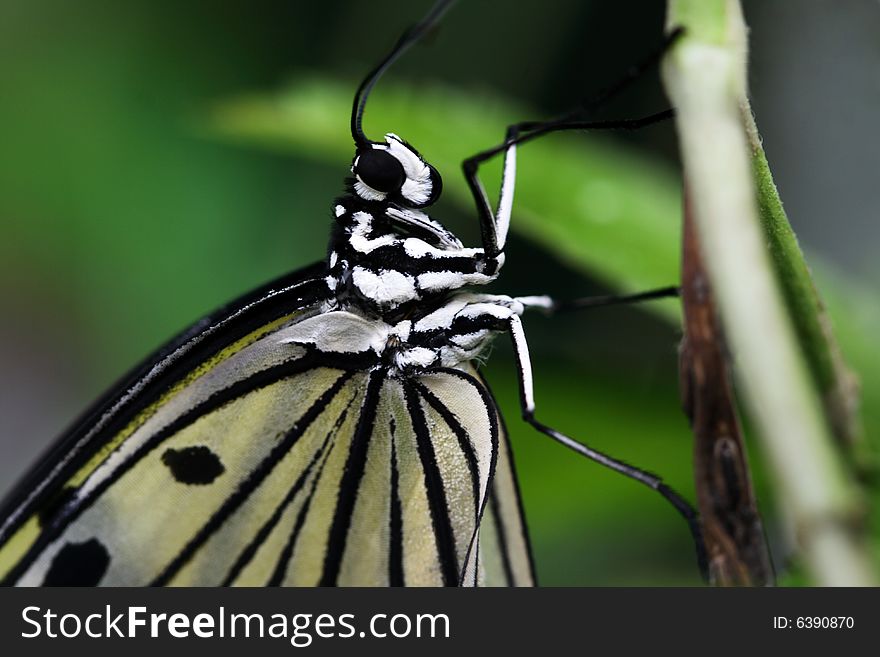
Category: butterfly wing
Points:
column 46, row 493
column 233, row 457
column 505, row 551
column 345, row 477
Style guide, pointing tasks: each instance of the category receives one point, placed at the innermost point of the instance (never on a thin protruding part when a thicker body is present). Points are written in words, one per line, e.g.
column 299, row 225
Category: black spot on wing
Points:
column 78, row 564
column 196, row 465
column 239, row 388
column 254, row 479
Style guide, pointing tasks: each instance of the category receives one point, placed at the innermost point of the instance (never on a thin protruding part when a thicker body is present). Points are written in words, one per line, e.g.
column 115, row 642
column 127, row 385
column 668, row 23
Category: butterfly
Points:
column 329, row 428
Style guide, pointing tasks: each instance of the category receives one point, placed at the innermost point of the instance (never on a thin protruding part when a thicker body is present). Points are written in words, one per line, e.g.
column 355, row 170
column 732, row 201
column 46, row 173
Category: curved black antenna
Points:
column 408, row 38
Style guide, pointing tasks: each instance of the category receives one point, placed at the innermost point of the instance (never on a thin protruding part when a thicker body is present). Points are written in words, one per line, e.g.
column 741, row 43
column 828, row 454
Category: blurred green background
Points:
column 159, row 158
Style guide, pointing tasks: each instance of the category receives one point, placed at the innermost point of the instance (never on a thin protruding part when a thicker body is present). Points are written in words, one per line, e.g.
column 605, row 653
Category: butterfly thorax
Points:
column 457, row 331
column 385, row 260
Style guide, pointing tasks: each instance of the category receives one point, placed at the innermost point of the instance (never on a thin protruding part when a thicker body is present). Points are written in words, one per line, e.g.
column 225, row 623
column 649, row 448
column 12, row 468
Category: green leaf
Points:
column 601, row 207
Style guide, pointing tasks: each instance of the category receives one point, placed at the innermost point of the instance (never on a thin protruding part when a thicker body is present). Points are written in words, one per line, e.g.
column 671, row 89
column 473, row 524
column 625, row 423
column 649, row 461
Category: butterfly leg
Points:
column 527, row 402
column 459, row 332
column 494, row 225
column 551, row 305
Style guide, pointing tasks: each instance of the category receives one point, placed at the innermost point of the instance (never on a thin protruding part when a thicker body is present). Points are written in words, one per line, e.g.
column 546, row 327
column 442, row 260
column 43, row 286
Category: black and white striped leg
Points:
column 551, row 306
column 494, row 226
column 527, row 401
column 601, row 301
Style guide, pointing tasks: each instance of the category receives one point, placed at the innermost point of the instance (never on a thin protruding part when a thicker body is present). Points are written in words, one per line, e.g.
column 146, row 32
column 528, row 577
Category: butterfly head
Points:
column 394, row 171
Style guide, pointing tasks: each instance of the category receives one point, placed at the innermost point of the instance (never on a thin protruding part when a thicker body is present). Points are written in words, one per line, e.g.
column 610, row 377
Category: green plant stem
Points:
column 705, row 76
column 836, row 383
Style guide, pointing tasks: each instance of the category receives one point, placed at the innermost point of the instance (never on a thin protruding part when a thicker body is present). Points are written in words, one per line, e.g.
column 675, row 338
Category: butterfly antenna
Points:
column 408, row 38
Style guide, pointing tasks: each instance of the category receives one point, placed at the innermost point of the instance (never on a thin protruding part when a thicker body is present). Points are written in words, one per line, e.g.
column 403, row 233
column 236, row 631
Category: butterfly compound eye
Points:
column 380, row 170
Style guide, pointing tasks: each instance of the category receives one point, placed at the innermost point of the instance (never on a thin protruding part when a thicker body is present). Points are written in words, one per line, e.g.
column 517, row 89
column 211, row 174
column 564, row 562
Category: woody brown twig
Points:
column 737, row 550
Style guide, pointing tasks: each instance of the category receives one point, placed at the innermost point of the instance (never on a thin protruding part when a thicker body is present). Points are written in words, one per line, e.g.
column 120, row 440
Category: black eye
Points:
column 380, row 170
